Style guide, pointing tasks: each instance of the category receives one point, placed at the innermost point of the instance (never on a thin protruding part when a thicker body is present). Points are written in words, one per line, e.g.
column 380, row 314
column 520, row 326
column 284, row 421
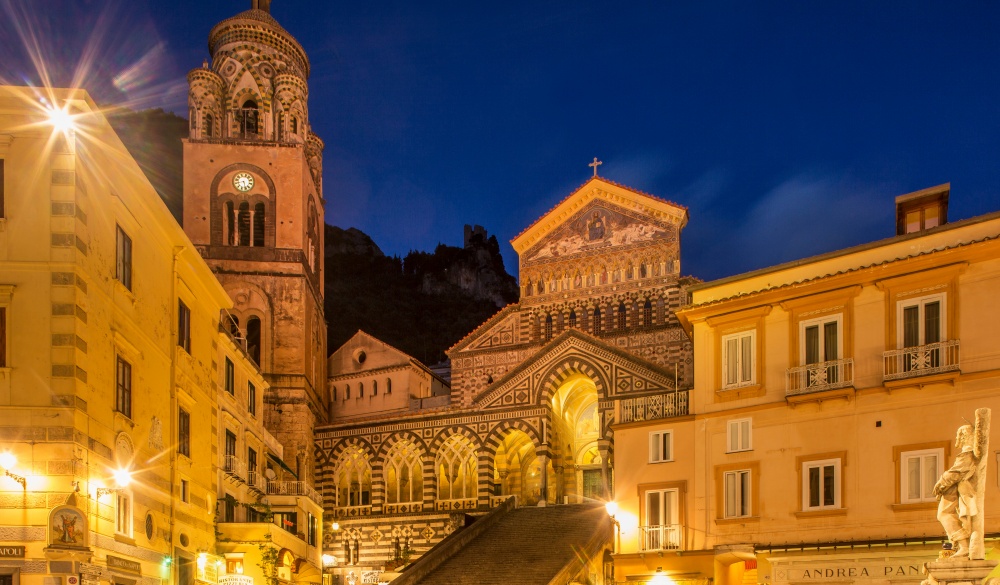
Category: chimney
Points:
column 922, row 210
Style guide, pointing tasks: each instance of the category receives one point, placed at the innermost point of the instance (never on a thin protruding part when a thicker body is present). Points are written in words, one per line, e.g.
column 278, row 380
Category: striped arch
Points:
column 261, row 93
column 497, row 433
column 378, row 464
column 560, row 371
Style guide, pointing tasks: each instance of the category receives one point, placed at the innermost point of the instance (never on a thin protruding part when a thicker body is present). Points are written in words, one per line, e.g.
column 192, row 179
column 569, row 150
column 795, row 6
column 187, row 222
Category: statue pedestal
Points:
column 957, row 572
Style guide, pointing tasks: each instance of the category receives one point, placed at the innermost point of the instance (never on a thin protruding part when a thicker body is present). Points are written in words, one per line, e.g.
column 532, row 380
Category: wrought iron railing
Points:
column 654, row 407
column 256, row 481
column 827, row 375
column 662, row 537
column 293, row 488
column 234, row 466
column 921, row 360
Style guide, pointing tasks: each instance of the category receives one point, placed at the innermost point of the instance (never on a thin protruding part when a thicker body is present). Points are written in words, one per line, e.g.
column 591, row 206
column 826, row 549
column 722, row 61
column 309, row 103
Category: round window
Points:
column 149, row 526
column 361, row 356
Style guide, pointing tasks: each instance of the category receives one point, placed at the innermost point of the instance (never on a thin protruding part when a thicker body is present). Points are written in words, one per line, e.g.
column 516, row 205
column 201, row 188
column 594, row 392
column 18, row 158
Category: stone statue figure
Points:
column 960, row 490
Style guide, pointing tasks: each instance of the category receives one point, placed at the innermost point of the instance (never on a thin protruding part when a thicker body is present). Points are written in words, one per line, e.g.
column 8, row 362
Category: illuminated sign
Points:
column 124, row 565
column 235, row 580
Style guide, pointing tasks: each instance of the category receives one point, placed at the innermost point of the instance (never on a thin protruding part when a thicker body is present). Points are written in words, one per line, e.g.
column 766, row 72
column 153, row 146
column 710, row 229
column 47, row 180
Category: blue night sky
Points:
column 786, row 127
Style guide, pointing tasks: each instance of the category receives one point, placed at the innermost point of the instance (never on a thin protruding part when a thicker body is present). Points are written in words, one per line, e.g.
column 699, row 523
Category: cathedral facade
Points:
column 535, row 390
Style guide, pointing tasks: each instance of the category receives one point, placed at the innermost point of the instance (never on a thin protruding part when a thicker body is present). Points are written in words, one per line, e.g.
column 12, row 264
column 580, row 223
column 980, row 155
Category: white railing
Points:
column 234, row 466
column 293, row 488
column 663, row 537
column 818, row 377
column 457, row 504
column 910, row 362
column 655, row 407
column 256, row 480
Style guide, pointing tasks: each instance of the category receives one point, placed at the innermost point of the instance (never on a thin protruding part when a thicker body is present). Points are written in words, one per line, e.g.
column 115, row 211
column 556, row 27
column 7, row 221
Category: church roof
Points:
column 259, row 17
column 584, row 184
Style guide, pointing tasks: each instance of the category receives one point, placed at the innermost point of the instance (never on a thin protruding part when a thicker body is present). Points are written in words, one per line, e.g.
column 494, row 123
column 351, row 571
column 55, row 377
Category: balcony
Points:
column 256, row 481
column 654, row 407
column 921, row 360
column 819, row 377
column 658, row 538
column 293, row 488
column 234, row 468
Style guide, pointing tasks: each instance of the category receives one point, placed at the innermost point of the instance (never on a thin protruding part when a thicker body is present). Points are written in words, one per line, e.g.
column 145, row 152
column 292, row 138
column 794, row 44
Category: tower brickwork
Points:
column 253, row 205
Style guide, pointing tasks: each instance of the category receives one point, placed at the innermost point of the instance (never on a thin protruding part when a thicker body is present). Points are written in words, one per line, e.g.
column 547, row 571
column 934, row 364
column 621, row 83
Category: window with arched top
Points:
column 259, row 215
column 374, row 387
column 404, row 478
column 295, row 125
column 456, row 469
column 243, row 224
column 548, row 327
column 621, row 315
column 352, row 479
column 229, row 217
column 361, row 389
column 647, row 313
column 248, row 117
column 388, row 385
column 347, row 391
column 596, row 325
column 254, row 339
column 572, row 318
column 209, row 125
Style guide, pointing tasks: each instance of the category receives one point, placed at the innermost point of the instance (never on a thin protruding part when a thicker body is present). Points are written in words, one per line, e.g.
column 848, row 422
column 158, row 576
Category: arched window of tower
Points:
column 209, row 123
column 597, row 322
column 647, row 313
column 259, row 213
column 229, row 224
column 253, row 339
column 247, row 118
column 243, row 225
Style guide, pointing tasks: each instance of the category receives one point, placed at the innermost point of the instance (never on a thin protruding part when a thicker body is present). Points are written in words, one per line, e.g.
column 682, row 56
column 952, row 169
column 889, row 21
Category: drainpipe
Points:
column 172, row 352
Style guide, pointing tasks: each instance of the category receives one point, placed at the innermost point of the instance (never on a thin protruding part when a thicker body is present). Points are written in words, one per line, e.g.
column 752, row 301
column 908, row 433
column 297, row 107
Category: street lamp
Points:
column 612, row 509
column 123, row 477
column 7, row 462
column 660, row 578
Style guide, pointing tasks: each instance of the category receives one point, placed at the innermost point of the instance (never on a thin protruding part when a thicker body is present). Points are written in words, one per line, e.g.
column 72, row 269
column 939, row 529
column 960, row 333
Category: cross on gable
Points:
column 595, row 164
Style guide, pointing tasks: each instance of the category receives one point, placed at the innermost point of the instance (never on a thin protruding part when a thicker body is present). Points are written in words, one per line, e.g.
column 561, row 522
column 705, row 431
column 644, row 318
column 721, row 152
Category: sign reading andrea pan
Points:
column 898, row 569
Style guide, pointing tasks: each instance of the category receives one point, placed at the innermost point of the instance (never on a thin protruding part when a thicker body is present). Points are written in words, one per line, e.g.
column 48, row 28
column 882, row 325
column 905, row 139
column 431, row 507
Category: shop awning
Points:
column 282, row 465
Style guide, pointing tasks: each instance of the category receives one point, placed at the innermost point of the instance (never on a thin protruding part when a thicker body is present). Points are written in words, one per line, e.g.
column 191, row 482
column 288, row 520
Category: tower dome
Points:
column 255, row 89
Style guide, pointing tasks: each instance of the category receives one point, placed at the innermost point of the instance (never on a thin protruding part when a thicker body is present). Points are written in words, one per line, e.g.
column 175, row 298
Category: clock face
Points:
column 243, row 181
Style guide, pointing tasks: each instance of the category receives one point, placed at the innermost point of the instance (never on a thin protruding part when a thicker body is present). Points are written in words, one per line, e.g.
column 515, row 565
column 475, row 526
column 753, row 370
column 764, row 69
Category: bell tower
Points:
column 253, row 205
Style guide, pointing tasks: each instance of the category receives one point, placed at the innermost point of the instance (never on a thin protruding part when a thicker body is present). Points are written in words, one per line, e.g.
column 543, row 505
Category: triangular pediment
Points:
column 364, row 352
column 599, row 214
column 615, row 373
column 500, row 330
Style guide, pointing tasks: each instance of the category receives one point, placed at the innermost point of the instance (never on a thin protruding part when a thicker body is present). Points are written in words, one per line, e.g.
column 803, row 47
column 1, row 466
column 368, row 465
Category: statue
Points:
column 960, row 490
